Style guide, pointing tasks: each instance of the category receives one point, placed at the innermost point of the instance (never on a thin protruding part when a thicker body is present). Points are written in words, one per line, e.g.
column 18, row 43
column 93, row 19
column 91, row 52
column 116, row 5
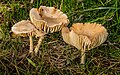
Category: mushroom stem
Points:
column 38, row 45
column 83, row 56
column 31, row 44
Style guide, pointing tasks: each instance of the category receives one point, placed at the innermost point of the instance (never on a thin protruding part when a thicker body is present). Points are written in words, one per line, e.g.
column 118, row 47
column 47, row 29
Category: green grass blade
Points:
column 31, row 62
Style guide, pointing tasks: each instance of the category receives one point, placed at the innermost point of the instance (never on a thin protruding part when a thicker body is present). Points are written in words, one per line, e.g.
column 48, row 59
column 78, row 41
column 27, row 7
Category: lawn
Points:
column 55, row 56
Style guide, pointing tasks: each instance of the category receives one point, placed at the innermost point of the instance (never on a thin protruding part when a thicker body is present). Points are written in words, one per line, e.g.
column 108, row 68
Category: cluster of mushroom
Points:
column 42, row 21
column 48, row 20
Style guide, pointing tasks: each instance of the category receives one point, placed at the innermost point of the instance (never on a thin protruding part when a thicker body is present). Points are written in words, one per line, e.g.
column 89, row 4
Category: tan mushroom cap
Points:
column 23, row 28
column 48, row 19
column 51, row 14
column 88, row 35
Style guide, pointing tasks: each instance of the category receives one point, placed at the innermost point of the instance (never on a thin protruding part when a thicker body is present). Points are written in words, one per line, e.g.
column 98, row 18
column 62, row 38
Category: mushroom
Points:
column 84, row 36
column 47, row 20
column 25, row 28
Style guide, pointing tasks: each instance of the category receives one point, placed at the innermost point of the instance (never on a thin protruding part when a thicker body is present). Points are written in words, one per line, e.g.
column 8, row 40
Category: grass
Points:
column 55, row 56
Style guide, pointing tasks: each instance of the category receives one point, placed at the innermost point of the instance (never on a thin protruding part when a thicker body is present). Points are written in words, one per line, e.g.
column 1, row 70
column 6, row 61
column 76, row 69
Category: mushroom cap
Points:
column 23, row 28
column 88, row 35
column 48, row 19
column 51, row 14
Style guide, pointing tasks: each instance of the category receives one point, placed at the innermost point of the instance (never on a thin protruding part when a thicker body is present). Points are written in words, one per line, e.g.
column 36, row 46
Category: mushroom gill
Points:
column 47, row 20
column 85, row 36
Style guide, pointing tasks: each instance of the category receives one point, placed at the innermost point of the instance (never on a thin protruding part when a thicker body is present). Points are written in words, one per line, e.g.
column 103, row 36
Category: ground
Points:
column 55, row 56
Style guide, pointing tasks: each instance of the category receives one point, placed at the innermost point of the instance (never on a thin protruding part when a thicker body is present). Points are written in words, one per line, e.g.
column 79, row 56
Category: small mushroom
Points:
column 25, row 28
column 85, row 36
column 47, row 20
